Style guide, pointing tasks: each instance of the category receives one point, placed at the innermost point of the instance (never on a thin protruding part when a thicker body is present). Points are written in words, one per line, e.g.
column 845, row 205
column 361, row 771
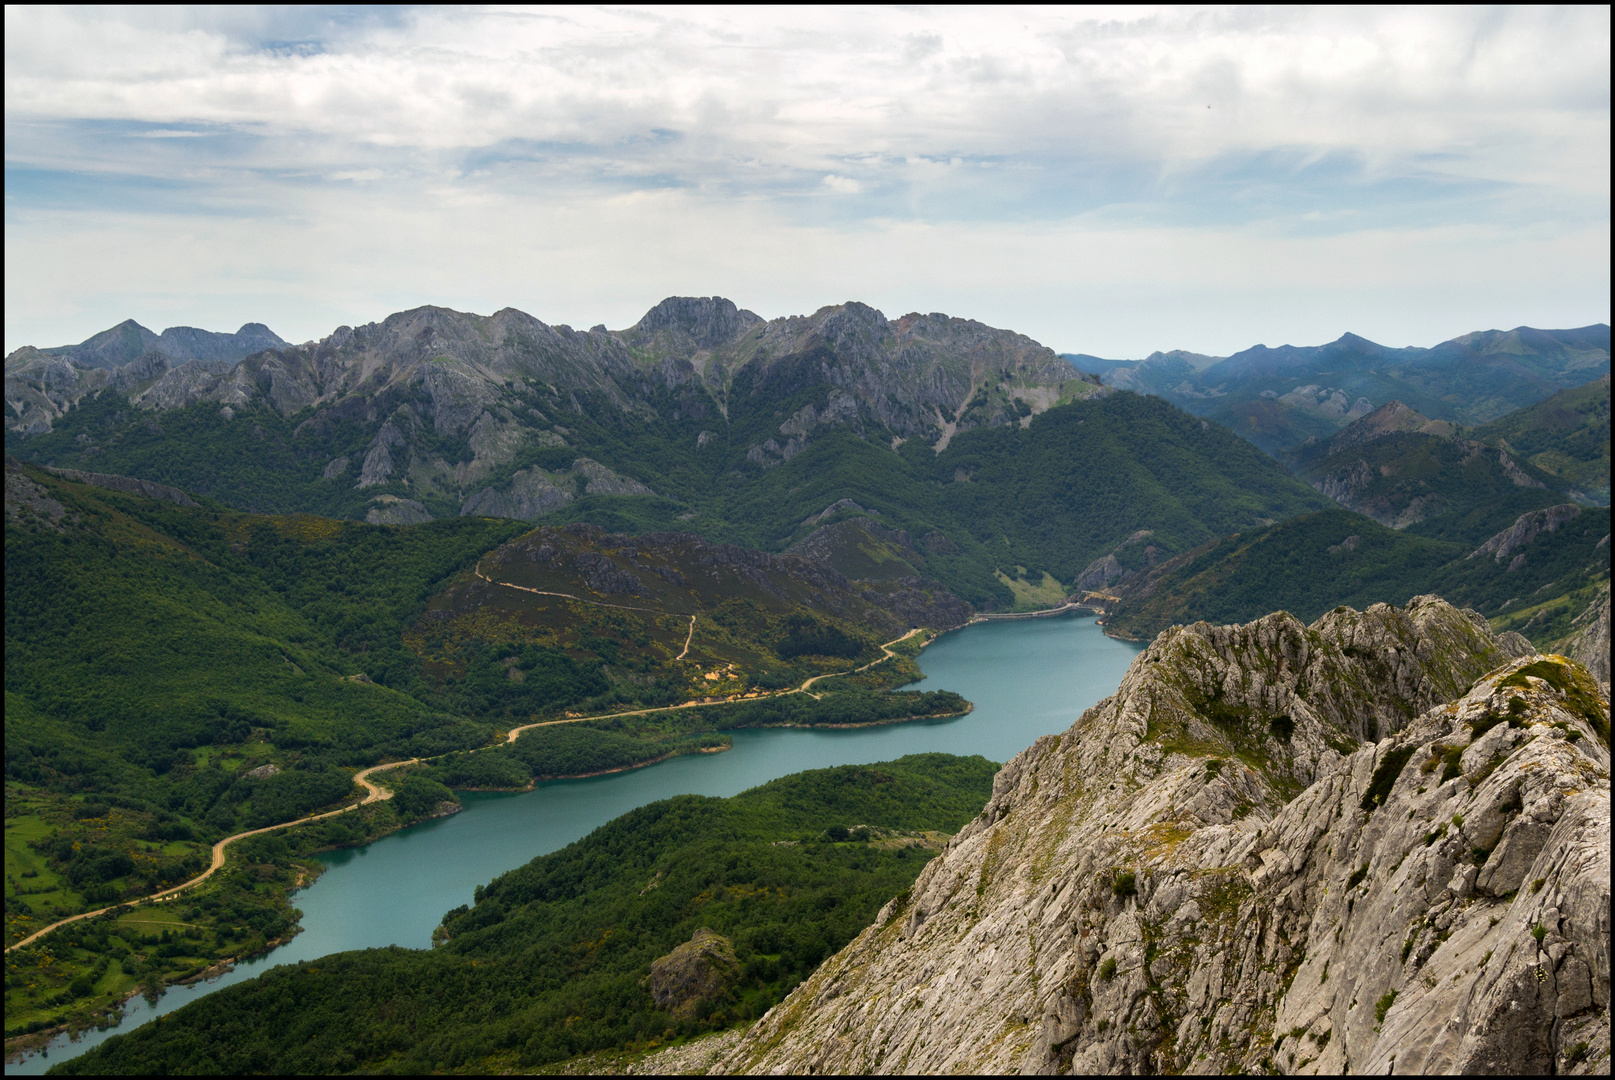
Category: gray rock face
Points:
column 128, row 484
column 422, row 380
column 200, row 380
column 1208, row 873
column 1526, row 528
column 1101, row 573
column 530, row 495
column 40, row 388
column 378, row 462
column 1589, row 644
column 391, row 510
column 1515, row 644
column 599, row 480
column 702, row 969
column 28, row 503
column 697, row 322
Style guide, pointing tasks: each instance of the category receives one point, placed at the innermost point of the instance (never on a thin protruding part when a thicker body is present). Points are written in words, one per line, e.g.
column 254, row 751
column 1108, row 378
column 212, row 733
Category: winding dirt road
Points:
column 600, row 603
column 376, row 793
column 373, row 793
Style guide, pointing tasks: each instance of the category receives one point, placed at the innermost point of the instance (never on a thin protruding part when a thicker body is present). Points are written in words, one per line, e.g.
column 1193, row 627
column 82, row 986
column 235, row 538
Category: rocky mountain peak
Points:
column 705, row 322
column 1210, row 872
column 1389, row 419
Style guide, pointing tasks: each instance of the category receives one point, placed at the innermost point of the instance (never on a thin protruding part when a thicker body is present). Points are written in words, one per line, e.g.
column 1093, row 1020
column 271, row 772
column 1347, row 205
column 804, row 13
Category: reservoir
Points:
column 1027, row 678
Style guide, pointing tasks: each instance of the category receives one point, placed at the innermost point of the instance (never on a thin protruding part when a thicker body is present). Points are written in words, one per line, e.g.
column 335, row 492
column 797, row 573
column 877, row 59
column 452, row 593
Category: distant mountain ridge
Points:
column 923, row 376
column 129, row 341
column 1278, row 397
column 701, row 417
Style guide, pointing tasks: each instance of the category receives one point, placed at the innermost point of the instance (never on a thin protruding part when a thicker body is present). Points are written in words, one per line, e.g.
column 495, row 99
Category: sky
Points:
column 1110, row 181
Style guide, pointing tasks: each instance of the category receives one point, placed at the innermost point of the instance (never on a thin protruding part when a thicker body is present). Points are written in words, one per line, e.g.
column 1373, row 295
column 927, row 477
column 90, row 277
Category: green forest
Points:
column 1313, row 563
column 552, row 958
column 178, row 674
column 1050, row 497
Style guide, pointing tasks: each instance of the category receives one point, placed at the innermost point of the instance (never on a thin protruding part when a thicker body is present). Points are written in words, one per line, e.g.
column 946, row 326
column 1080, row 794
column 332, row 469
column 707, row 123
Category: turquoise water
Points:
column 1026, row 678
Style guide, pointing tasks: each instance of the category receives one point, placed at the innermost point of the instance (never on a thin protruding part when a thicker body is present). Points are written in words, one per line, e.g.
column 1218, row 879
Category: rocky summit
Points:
column 1376, row 843
column 449, row 400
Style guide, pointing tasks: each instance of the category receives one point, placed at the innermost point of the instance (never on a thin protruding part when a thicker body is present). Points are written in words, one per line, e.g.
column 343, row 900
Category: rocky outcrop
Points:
column 1526, row 528
column 391, row 510
column 686, row 324
column 599, row 480
column 127, row 484
column 529, row 496
column 916, row 601
column 1107, row 571
column 27, row 503
column 1210, row 873
column 1589, row 640
column 1350, row 484
column 1100, row 574
column 1388, row 419
column 378, row 463
column 703, row 969
column 532, row 493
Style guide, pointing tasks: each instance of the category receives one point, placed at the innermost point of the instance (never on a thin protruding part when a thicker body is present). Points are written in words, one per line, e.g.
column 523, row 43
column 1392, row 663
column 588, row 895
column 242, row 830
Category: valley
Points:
column 282, row 671
column 276, row 603
column 404, row 888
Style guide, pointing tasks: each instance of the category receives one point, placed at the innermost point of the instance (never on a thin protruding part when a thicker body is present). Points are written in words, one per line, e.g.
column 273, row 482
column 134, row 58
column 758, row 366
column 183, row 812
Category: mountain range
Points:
column 702, row 417
column 1279, row 397
column 728, row 508
column 1377, row 841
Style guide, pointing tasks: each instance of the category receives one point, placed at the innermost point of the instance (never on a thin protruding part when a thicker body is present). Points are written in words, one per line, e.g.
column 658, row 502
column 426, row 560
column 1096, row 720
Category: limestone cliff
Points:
column 1589, row 641
column 1209, row 872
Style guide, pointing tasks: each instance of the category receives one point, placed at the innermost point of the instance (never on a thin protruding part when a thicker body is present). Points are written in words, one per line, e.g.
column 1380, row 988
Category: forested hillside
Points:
column 555, row 958
column 1535, row 576
column 1000, row 461
column 1046, row 498
column 1565, row 436
column 177, row 672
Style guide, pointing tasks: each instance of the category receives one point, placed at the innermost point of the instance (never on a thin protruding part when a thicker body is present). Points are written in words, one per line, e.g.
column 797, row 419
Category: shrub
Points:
column 1383, row 1006
column 1390, row 767
column 1126, row 884
column 1107, row 970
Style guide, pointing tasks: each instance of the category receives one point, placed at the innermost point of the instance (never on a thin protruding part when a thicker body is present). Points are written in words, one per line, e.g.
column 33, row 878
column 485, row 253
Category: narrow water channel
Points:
column 1026, row 678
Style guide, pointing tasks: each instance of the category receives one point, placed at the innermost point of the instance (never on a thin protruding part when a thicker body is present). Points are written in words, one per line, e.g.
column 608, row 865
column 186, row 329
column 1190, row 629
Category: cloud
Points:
column 1282, row 131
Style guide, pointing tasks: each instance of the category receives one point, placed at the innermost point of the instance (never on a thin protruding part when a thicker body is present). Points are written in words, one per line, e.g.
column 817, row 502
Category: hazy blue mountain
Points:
column 129, row 341
column 1278, row 397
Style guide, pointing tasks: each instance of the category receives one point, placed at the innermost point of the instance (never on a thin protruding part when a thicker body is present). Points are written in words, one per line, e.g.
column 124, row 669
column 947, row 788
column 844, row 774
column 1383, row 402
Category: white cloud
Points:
column 327, row 164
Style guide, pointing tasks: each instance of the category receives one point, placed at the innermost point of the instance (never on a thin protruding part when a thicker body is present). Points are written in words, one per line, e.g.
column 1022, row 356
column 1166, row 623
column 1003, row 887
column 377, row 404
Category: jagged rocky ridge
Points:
column 1210, row 873
column 424, row 377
